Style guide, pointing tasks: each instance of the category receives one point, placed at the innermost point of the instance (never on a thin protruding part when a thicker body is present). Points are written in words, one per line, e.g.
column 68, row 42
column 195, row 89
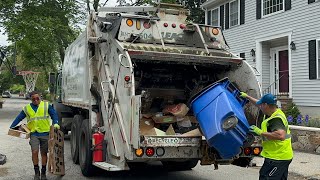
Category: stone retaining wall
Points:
column 305, row 139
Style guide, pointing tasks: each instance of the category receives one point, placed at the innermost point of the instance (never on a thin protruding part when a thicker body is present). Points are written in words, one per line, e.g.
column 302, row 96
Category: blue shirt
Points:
column 53, row 114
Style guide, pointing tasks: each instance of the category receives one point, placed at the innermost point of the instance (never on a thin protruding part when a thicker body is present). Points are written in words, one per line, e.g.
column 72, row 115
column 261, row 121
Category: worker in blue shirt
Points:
column 38, row 122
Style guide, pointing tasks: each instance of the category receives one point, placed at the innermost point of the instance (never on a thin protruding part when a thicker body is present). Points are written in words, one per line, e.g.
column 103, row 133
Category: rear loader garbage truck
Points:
column 143, row 84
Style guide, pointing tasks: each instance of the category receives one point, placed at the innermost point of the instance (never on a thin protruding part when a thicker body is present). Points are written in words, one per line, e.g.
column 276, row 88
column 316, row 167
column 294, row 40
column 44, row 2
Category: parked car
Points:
column 6, row 94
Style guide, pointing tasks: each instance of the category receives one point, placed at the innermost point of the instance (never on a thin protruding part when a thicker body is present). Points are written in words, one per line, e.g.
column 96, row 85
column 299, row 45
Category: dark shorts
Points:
column 274, row 169
column 42, row 141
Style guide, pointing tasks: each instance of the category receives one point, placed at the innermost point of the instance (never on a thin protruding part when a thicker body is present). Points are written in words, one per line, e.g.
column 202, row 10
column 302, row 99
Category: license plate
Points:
column 171, row 141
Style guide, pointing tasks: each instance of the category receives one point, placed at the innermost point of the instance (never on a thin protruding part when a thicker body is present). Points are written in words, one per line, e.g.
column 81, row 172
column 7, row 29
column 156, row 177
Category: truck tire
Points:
column 180, row 166
column 74, row 138
column 85, row 152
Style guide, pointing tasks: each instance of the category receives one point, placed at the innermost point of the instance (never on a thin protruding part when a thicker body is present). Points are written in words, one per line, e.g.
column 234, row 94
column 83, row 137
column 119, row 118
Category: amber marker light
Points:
column 129, row 22
column 215, row 31
column 256, row 151
column 138, row 24
column 139, row 152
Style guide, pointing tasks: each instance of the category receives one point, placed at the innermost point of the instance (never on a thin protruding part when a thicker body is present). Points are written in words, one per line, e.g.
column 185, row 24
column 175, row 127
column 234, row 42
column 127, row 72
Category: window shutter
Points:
column 242, row 11
column 209, row 17
column 227, row 16
column 311, row 1
column 258, row 11
column 312, row 59
column 222, row 16
column 287, row 5
column 243, row 55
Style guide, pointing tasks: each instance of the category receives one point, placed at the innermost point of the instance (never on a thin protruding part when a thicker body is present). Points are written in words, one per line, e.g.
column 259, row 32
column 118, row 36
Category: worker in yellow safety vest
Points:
column 276, row 136
column 38, row 122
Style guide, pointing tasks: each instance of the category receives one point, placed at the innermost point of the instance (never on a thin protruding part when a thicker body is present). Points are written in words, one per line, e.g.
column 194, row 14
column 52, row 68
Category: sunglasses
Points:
column 35, row 99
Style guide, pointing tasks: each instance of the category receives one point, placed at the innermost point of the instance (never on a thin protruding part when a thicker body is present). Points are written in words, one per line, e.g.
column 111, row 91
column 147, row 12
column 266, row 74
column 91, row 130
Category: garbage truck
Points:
column 128, row 87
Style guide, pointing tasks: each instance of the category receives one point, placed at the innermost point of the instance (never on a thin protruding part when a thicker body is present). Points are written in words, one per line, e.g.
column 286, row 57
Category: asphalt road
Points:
column 19, row 164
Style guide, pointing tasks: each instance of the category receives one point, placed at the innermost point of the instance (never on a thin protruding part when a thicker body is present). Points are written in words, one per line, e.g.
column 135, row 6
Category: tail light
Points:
column 150, row 151
column 247, row 151
column 160, row 151
column 129, row 22
column 174, row 25
column 182, row 26
column 165, row 24
column 146, row 25
column 127, row 78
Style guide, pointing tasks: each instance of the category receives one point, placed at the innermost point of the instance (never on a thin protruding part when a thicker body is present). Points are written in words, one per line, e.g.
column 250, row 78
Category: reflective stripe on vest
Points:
column 38, row 121
column 277, row 149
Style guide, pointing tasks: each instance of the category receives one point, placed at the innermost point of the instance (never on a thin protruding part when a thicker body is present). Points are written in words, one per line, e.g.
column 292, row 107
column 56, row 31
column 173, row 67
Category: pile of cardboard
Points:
column 20, row 131
column 150, row 123
column 56, row 152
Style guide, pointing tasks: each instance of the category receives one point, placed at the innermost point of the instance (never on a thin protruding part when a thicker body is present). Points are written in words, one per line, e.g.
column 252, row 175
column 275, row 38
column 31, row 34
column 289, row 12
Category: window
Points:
column 272, row 6
column 215, row 17
column 234, row 13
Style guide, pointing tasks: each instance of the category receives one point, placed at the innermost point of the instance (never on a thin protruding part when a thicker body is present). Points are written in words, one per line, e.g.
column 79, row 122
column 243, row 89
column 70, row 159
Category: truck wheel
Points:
column 85, row 153
column 74, row 138
column 180, row 166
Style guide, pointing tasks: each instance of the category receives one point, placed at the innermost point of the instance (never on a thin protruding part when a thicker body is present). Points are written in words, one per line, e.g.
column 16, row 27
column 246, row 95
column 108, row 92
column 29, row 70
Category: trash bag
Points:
column 3, row 159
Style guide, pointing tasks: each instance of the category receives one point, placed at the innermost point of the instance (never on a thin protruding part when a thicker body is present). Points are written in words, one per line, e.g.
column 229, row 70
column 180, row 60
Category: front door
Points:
column 283, row 68
column 279, row 71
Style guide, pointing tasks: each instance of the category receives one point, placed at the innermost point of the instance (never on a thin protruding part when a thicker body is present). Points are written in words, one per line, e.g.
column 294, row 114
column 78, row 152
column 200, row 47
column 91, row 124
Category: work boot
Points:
column 36, row 177
column 43, row 177
column 43, row 173
column 36, row 172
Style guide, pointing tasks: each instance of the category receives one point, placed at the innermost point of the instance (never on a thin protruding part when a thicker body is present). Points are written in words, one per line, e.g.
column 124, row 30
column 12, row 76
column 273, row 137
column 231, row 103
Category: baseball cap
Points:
column 268, row 98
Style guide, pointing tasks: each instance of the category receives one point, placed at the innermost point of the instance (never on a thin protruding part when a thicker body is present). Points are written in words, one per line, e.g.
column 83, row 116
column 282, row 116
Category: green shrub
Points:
column 293, row 111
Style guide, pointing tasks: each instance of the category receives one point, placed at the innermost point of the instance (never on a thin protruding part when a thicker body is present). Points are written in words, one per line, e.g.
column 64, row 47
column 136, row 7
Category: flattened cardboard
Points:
column 170, row 131
column 21, row 134
column 164, row 119
column 195, row 132
column 145, row 125
column 56, row 152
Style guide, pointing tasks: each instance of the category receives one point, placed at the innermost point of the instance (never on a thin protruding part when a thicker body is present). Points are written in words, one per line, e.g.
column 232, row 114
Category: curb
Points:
column 303, row 176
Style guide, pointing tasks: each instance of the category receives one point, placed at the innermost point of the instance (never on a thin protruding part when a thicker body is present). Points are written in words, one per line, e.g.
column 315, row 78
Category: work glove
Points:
column 243, row 95
column 56, row 126
column 256, row 130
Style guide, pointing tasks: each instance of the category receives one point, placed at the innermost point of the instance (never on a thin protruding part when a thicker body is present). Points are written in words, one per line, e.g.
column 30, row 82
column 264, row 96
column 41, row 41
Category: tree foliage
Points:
column 42, row 30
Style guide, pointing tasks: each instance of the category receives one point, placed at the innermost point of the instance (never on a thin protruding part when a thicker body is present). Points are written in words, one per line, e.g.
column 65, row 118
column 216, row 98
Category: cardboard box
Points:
column 23, row 133
column 164, row 119
column 195, row 132
column 56, row 152
column 145, row 125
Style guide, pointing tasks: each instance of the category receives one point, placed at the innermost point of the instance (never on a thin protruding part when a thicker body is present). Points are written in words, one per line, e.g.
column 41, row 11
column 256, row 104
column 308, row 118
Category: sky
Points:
column 3, row 38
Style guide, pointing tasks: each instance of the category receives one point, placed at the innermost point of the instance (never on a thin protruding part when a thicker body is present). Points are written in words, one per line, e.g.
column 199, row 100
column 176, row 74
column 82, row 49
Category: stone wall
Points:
column 305, row 139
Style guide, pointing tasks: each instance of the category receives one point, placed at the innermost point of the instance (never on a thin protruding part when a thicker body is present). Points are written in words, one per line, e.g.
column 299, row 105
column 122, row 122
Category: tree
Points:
column 42, row 31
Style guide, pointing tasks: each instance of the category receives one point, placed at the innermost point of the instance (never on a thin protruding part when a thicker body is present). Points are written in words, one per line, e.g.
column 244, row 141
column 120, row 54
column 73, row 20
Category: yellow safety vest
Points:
column 277, row 149
column 38, row 121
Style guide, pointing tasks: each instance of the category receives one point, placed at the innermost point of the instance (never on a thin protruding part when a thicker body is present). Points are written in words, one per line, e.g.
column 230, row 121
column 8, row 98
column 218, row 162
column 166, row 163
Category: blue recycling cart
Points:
column 219, row 111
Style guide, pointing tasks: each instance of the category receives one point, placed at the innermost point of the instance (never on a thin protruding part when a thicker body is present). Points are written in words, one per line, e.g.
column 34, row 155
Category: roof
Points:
column 212, row 3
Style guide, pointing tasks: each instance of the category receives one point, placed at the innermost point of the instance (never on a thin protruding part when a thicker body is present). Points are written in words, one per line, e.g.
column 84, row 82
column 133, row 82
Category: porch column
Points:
column 259, row 60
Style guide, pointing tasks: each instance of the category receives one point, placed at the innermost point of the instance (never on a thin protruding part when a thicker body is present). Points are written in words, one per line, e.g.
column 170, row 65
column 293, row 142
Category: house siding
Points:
column 303, row 21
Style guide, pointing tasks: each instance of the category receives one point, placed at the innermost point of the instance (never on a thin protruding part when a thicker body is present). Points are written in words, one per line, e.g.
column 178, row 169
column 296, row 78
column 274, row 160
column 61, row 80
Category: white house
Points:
column 281, row 39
